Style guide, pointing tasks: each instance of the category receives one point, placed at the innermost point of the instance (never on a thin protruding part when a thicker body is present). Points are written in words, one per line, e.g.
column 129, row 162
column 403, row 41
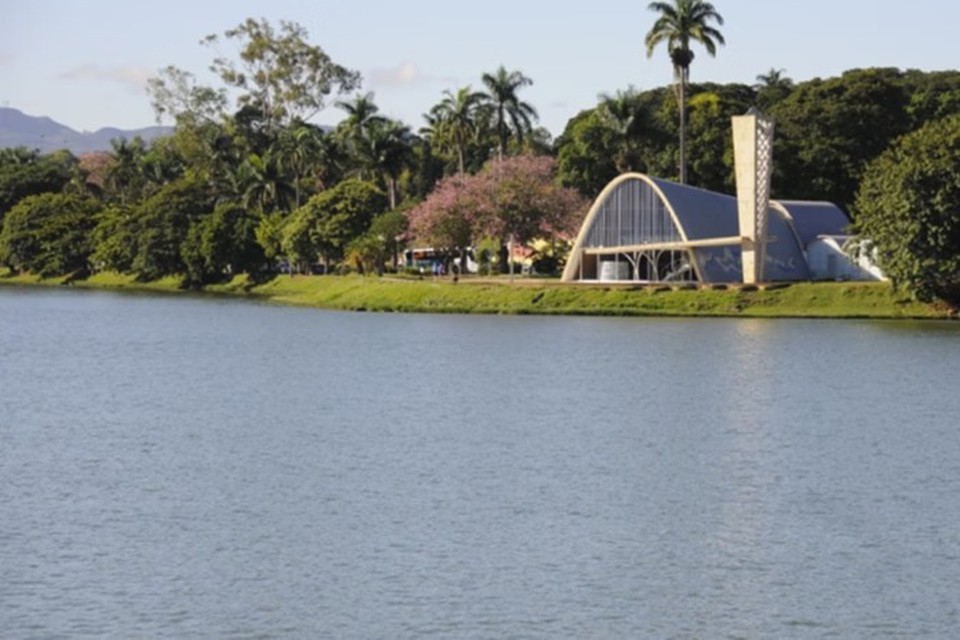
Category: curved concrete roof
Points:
column 701, row 216
column 812, row 219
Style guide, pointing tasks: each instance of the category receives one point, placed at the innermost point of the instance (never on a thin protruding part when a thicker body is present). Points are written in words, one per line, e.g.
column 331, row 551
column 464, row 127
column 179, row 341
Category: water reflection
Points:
column 178, row 467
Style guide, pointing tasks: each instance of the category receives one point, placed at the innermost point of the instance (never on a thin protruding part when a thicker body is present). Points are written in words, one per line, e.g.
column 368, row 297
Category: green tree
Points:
column 252, row 131
column 909, row 206
column 829, row 130
column 511, row 115
column 262, row 185
column 209, row 151
column 368, row 252
column 24, row 173
column 627, row 121
column 161, row 164
column 124, row 179
column 269, row 234
column 18, row 156
column 114, row 239
column 389, row 229
column 386, row 149
column 330, row 220
column 772, row 87
column 456, row 121
column 161, row 224
column 427, row 167
column 222, row 244
column 331, row 162
column 932, row 96
column 628, row 131
column 299, row 151
column 175, row 93
column 48, row 234
column 681, row 23
column 709, row 128
column 538, row 142
column 279, row 71
column 296, row 239
column 363, row 114
column 279, row 81
column 585, row 154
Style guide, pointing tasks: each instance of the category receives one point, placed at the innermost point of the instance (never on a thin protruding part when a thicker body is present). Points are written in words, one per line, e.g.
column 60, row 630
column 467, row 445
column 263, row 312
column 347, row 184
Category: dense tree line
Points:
column 827, row 130
column 251, row 185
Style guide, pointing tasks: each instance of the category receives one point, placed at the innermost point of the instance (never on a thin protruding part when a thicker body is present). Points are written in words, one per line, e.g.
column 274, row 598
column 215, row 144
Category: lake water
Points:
column 180, row 467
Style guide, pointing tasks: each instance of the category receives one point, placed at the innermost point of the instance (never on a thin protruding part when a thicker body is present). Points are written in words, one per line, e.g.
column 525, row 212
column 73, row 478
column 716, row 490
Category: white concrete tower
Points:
column 753, row 161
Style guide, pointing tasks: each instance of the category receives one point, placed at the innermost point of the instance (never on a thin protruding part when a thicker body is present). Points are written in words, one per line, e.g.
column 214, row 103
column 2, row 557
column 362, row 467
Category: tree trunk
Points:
column 502, row 134
column 683, row 125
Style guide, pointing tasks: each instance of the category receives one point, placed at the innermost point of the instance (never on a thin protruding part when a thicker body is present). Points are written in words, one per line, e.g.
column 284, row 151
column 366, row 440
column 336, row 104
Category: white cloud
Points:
column 6, row 59
column 134, row 79
column 403, row 75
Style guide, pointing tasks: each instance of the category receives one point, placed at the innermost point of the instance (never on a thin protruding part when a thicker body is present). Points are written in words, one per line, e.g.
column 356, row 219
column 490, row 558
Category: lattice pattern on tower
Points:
column 764, row 144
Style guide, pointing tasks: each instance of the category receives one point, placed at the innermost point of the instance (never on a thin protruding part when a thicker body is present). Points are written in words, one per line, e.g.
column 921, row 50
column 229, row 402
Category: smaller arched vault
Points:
column 644, row 229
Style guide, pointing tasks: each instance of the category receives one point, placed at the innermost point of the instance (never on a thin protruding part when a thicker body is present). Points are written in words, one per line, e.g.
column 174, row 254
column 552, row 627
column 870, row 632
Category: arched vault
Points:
column 645, row 229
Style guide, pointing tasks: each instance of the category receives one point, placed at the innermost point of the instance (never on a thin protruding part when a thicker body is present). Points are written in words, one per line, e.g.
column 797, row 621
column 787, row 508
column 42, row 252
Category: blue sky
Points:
column 85, row 63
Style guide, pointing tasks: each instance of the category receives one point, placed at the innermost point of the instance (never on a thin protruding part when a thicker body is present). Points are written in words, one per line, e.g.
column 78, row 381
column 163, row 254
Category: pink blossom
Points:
column 516, row 197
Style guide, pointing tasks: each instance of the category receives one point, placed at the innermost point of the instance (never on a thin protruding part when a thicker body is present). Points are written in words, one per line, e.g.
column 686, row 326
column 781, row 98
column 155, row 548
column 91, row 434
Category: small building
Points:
column 645, row 229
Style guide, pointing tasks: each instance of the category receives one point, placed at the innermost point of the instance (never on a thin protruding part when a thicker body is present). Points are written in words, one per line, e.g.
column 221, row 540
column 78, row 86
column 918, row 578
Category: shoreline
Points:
column 528, row 296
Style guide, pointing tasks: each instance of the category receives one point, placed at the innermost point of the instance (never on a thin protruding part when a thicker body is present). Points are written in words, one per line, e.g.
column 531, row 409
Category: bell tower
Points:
column 753, row 161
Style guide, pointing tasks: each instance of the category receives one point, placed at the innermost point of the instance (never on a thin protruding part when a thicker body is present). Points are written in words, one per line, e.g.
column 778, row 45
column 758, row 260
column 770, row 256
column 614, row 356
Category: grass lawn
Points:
column 535, row 296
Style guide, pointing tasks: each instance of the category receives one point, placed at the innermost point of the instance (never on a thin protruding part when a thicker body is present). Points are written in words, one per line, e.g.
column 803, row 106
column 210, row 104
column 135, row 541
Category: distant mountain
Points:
column 18, row 129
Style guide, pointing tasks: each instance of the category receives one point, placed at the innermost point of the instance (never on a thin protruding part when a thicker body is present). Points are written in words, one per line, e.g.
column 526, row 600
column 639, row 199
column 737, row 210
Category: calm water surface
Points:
column 175, row 467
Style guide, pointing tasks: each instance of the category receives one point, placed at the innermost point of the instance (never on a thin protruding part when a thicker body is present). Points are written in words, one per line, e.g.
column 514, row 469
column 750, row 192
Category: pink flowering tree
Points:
column 515, row 199
column 445, row 219
column 528, row 202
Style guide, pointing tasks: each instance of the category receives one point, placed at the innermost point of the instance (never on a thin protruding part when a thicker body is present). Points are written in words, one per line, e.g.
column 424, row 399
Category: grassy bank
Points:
column 354, row 293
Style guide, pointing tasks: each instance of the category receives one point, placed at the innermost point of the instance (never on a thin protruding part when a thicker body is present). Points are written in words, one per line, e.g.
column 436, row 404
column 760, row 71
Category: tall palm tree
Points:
column 511, row 115
column 394, row 142
column 299, row 151
column 161, row 164
column 625, row 118
column 681, row 23
column 773, row 78
column 386, row 149
column 125, row 176
column 362, row 113
column 331, row 158
column 261, row 185
column 455, row 121
column 772, row 87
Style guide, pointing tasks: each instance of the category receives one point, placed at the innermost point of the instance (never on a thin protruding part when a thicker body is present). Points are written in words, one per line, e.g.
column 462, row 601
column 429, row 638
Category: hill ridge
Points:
column 18, row 129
